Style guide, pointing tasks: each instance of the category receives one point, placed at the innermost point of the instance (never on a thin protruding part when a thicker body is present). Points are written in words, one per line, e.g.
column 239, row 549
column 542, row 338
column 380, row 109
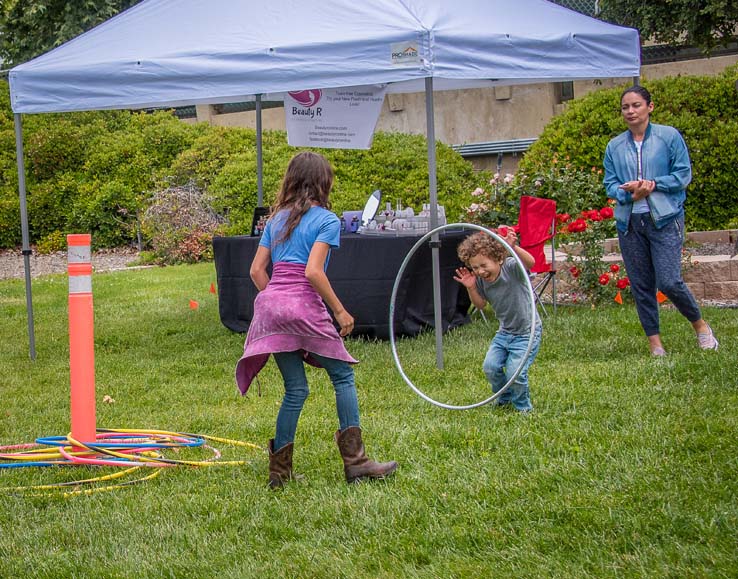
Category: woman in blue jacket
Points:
column 647, row 170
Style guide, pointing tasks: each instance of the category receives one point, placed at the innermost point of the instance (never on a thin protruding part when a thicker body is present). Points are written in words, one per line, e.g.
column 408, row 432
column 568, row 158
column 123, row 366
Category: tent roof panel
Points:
column 173, row 52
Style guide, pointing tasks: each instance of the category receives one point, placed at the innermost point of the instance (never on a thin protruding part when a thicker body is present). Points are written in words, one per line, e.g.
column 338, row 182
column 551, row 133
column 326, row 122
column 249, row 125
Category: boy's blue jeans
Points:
column 296, row 391
column 503, row 358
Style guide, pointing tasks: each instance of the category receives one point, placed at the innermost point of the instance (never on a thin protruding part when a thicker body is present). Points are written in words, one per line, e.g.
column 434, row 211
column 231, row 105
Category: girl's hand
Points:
column 465, row 277
column 346, row 321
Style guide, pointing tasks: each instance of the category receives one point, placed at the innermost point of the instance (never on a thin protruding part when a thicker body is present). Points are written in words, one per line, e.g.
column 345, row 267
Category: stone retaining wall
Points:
column 709, row 277
column 713, row 277
column 728, row 236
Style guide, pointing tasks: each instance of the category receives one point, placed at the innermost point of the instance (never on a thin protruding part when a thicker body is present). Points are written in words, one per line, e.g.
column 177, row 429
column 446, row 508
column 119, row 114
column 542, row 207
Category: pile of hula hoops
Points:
column 127, row 449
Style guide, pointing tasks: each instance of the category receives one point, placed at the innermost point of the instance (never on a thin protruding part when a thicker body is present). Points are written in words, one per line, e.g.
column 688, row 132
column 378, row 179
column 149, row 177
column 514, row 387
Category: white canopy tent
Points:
column 181, row 52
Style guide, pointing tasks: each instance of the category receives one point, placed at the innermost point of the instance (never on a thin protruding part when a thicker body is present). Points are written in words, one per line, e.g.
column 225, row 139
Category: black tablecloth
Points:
column 362, row 272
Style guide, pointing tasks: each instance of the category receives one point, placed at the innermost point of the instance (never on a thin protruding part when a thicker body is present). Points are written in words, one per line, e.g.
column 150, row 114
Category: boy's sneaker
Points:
column 707, row 340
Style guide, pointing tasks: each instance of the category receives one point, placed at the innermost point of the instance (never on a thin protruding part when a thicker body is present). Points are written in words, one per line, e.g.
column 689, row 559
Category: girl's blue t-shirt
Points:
column 317, row 224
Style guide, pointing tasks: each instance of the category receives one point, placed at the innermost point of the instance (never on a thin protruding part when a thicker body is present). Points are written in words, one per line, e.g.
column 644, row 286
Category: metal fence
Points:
column 588, row 7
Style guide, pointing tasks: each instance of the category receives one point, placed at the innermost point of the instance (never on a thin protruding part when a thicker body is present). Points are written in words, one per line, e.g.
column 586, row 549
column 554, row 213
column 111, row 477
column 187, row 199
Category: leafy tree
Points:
column 703, row 23
column 29, row 28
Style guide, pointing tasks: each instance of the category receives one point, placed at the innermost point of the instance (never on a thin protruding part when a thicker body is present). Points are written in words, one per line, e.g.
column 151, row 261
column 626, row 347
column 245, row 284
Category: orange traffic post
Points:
column 81, row 338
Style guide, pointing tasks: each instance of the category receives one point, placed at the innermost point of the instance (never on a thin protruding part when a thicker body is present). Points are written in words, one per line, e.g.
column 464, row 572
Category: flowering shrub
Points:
column 583, row 239
column 499, row 205
column 571, row 188
column 582, row 234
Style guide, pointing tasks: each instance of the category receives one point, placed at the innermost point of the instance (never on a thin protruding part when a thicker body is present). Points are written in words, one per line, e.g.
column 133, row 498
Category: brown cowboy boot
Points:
column 356, row 465
column 280, row 465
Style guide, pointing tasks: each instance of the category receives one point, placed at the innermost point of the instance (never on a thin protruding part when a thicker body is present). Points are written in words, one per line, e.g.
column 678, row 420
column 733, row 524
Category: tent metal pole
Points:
column 553, row 263
column 259, row 160
column 24, row 230
column 434, row 243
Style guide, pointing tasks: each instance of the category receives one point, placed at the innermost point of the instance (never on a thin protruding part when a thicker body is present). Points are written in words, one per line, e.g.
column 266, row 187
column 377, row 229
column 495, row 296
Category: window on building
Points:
column 188, row 112
column 564, row 91
column 225, row 108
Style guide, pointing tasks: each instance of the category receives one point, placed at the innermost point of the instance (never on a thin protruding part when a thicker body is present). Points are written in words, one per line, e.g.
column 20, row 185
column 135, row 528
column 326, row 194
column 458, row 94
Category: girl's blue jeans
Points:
column 653, row 260
column 505, row 355
column 296, row 391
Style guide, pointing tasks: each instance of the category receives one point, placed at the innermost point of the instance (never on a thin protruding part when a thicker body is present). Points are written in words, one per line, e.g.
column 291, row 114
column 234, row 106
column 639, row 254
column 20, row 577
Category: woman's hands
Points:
column 640, row 189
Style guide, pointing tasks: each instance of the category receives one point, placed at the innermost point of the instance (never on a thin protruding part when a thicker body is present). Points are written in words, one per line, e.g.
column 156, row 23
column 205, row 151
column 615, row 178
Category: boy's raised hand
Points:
column 465, row 277
column 508, row 234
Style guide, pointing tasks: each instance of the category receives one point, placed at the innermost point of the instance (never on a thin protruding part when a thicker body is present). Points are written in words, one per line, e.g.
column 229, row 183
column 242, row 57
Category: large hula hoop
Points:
column 396, row 285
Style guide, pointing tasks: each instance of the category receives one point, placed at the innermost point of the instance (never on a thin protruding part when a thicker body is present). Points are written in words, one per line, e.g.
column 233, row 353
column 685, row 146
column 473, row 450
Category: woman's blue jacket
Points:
column 664, row 159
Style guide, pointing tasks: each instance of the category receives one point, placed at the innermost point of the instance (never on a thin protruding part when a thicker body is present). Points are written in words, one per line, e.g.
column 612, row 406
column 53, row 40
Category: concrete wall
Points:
column 701, row 67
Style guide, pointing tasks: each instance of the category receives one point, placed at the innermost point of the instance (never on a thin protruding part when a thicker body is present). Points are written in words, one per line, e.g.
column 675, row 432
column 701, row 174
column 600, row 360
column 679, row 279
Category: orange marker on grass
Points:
column 81, row 338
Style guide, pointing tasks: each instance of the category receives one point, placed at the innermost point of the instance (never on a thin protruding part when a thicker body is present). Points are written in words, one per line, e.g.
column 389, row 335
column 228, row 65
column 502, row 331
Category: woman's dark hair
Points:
column 307, row 182
column 640, row 91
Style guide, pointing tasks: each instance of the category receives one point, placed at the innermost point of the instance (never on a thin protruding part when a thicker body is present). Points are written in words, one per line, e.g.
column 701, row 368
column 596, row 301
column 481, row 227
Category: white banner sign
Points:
column 334, row 118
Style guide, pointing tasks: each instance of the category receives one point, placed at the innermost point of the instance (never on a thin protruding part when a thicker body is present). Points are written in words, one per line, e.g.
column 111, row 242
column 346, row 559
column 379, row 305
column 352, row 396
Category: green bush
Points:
column 108, row 210
column 10, row 226
column 86, row 171
column 50, row 208
column 54, row 241
column 223, row 160
column 94, row 171
column 98, row 171
column 704, row 109
column 58, row 143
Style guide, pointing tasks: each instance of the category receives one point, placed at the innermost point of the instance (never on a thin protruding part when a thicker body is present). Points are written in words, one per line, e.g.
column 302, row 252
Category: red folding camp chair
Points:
column 537, row 225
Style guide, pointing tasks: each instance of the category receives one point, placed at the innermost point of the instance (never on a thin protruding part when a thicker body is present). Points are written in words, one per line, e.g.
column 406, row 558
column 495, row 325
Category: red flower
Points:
column 614, row 268
column 623, row 283
column 574, row 271
column 562, row 217
column 577, row 226
column 607, row 213
column 605, row 279
column 594, row 215
column 587, row 214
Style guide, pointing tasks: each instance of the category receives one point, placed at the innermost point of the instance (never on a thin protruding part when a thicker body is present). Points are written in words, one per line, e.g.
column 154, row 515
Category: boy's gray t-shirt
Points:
column 509, row 298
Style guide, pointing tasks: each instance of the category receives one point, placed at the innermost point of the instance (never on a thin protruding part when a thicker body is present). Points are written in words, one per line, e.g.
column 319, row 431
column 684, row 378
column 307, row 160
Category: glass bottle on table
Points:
column 389, row 215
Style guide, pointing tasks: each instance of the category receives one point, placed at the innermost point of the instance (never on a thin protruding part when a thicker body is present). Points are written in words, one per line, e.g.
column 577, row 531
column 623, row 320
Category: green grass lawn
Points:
column 627, row 468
